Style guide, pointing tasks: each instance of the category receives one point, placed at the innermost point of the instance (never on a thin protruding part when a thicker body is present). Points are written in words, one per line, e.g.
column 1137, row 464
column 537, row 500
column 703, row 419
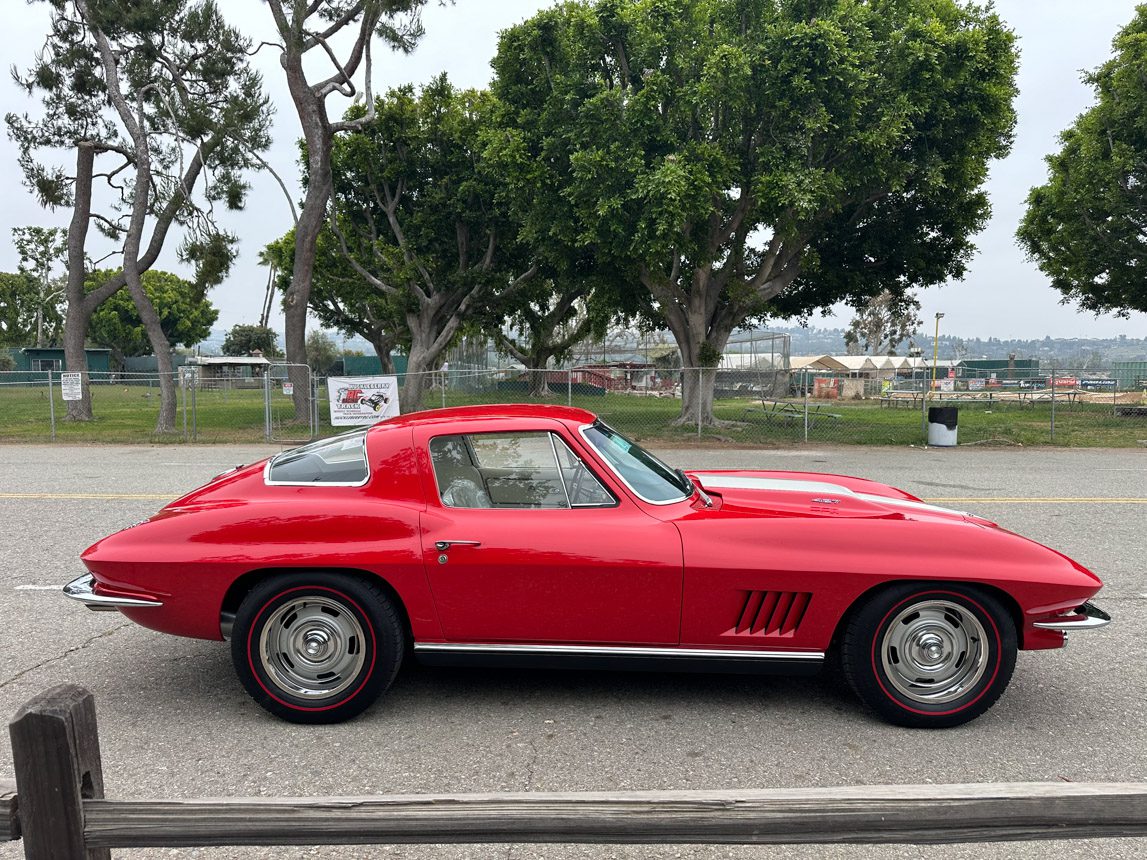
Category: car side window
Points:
column 582, row 486
column 512, row 470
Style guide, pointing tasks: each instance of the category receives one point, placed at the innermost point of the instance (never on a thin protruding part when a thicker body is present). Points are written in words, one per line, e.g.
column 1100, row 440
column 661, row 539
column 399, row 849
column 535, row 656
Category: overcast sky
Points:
column 1004, row 295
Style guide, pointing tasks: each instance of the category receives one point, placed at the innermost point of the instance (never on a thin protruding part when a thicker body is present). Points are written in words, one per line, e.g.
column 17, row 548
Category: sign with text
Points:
column 362, row 399
column 72, row 386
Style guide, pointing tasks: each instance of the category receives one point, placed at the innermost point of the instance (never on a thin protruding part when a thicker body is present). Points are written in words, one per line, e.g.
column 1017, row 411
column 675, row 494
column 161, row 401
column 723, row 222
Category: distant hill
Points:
column 1077, row 351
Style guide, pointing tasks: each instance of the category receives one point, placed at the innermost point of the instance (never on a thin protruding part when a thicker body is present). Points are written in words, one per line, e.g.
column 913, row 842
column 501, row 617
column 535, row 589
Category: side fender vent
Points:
column 771, row 613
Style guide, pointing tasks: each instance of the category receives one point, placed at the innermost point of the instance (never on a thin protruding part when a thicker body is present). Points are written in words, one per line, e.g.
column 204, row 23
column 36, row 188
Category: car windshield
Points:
column 338, row 460
column 647, row 476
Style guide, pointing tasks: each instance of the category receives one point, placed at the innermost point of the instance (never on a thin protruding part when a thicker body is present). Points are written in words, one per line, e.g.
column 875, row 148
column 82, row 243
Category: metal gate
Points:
column 280, row 383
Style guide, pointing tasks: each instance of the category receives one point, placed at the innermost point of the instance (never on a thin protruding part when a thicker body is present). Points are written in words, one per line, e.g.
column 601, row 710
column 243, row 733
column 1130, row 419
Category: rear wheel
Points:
column 316, row 647
column 930, row 656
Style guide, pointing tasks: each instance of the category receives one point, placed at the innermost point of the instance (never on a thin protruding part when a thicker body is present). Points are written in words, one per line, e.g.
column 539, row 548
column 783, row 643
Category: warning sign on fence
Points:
column 72, row 386
column 362, row 399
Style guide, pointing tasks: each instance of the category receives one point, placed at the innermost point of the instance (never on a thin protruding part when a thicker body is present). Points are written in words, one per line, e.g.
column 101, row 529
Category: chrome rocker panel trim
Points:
column 623, row 658
column 1087, row 617
column 82, row 589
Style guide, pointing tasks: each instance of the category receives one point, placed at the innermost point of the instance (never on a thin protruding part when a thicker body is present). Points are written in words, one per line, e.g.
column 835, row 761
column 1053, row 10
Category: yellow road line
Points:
column 108, row 496
column 1039, row 501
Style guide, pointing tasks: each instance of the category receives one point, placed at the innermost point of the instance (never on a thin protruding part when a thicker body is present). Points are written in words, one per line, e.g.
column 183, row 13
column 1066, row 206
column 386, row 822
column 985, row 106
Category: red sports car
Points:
column 539, row 536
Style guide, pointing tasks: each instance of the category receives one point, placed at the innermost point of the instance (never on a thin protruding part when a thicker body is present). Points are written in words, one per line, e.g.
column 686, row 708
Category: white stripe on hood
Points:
column 797, row 485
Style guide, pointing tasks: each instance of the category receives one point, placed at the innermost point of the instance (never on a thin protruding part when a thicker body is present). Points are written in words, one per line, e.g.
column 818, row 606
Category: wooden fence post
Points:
column 56, row 754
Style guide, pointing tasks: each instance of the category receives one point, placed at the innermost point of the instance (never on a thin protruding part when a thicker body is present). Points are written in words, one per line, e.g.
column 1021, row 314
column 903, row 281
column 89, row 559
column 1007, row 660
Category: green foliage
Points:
column 340, row 297
column 41, row 251
column 412, row 194
column 20, row 299
column 7, row 362
column 881, row 325
column 185, row 73
column 415, row 214
column 245, row 339
column 1085, row 226
column 185, row 314
column 748, row 157
column 322, row 351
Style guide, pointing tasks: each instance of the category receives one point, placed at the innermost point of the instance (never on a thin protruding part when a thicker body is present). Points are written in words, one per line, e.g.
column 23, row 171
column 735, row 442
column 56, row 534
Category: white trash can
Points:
column 942, row 426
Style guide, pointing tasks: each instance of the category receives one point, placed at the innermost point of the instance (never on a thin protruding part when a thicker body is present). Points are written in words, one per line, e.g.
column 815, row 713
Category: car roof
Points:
column 491, row 411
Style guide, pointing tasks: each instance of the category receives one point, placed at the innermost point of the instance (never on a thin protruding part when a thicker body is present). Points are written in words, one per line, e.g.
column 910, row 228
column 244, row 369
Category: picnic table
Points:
column 786, row 412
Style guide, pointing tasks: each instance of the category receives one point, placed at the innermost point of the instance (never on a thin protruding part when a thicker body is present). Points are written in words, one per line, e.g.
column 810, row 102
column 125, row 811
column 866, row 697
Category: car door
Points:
column 521, row 546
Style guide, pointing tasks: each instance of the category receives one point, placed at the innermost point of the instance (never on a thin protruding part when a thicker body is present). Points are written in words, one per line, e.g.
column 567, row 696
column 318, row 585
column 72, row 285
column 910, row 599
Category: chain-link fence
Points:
column 752, row 406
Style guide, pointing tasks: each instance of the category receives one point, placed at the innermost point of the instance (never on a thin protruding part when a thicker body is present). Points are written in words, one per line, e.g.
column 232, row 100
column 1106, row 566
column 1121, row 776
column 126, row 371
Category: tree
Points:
column 246, row 339
column 545, row 321
column 1086, row 227
column 303, row 28
column 749, row 157
column 885, row 322
column 40, row 250
column 322, row 351
column 165, row 88
column 413, row 212
column 21, row 303
column 184, row 312
column 342, row 299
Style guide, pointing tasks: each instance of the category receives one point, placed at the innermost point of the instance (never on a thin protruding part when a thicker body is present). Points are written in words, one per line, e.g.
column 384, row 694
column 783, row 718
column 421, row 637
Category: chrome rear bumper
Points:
column 83, row 589
column 1087, row 617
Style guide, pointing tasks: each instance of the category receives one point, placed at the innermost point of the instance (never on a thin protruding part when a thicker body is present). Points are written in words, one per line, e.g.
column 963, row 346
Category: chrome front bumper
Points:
column 1087, row 617
column 83, row 589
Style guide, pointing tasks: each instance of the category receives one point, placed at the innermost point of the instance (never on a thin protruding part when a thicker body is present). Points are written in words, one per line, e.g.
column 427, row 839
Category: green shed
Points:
column 1129, row 375
column 52, row 358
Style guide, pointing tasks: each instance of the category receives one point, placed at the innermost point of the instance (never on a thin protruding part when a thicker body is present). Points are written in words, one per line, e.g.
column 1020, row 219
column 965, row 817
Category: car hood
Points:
column 817, row 495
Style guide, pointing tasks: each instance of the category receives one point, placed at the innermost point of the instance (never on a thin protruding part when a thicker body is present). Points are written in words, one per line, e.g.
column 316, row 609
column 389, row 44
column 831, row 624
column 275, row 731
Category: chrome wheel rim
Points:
column 934, row 651
column 313, row 647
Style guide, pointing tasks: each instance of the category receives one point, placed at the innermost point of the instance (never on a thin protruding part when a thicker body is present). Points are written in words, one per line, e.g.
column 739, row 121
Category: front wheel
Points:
column 316, row 647
column 930, row 656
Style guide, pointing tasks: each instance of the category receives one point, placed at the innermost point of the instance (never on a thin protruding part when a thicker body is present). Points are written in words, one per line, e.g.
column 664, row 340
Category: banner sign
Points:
column 362, row 399
column 1097, row 383
column 71, row 386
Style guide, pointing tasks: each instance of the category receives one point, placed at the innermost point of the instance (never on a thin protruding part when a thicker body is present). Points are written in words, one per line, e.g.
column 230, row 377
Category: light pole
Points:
column 921, row 373
column 936, row 350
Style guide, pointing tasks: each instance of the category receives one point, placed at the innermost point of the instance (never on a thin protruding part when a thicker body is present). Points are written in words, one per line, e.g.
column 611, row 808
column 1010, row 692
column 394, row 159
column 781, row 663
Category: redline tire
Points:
column 316, row 647
column 930, row 655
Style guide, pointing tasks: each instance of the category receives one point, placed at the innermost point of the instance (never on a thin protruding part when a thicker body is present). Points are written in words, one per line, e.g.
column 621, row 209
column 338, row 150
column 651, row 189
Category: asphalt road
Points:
column 174, row 721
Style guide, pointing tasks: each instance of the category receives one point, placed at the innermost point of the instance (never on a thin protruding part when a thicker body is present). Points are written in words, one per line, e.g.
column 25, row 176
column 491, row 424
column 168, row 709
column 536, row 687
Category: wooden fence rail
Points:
column 61, row 814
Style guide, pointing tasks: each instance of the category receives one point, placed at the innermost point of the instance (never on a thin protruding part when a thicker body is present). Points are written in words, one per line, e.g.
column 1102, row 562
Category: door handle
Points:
column 443, row 545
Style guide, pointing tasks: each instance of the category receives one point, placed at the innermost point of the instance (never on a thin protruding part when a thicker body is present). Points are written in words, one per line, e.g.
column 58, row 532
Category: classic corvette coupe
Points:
column 539, row 536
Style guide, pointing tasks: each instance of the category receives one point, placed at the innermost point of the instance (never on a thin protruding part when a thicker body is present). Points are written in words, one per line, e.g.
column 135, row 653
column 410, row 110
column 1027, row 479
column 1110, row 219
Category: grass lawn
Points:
column 128, row 414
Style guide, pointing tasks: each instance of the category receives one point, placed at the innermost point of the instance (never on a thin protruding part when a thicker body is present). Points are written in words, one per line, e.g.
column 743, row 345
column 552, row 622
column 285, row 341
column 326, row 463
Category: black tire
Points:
column 929, row 655
column 316, row 647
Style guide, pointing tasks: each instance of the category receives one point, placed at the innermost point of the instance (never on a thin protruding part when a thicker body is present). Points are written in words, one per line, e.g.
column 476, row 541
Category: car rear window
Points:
column 340, row 460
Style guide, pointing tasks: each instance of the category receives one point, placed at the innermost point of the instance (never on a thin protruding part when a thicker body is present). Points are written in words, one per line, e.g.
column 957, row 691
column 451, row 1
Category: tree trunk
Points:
column 165, row 423
column 384, row 344
column 296, row 299
column 697, row 400
column 429, row 338
column 76, row 359
column 79, row 313
column 539, row 379
column 416, row 379
column 702, row 333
